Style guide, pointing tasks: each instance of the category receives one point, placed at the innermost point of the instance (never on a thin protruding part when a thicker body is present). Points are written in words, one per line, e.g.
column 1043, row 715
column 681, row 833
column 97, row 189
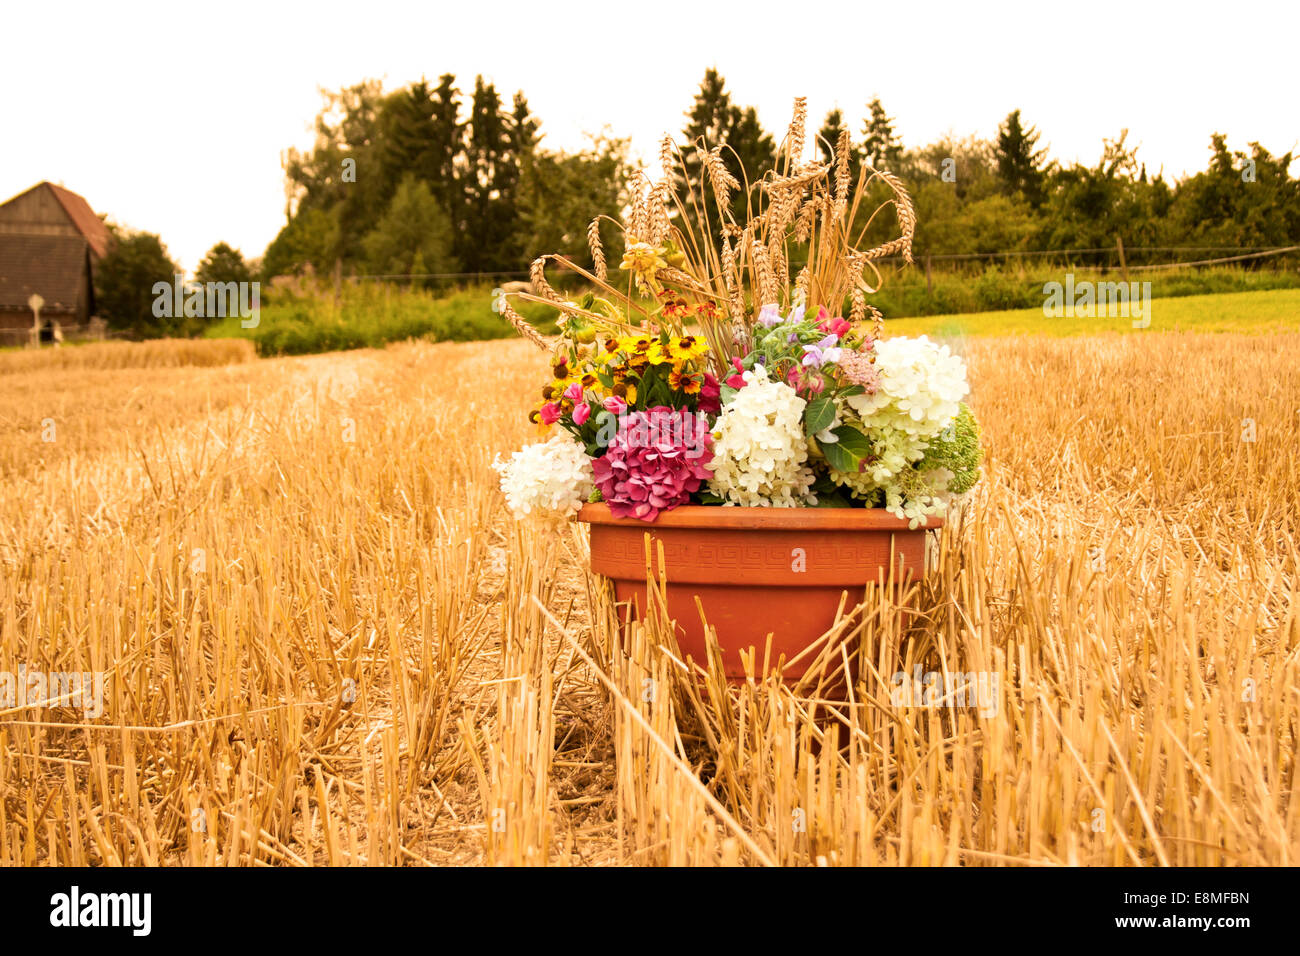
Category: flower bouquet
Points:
column 736, row 361
column 732, row 394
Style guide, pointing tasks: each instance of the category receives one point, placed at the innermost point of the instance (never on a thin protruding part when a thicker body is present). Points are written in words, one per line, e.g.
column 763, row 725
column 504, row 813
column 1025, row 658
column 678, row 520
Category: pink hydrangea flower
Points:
column 656, row 462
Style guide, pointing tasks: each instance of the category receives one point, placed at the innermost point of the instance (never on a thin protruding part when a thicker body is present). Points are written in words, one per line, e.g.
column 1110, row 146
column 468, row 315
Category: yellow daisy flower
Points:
column 630, row 344
column 686, row 348
column 661, row 354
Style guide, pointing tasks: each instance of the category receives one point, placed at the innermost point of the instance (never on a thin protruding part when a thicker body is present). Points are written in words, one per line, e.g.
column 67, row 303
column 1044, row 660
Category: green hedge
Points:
column 904, row 292
column 371, row 316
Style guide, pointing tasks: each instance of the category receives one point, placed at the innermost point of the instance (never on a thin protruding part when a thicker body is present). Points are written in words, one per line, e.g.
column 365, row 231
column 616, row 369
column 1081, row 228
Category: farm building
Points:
column 51, row 241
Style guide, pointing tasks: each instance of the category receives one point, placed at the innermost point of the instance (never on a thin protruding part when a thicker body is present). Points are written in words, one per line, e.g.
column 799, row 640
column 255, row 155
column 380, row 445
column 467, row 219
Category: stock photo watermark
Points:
column 76, row 909
column 1086, row 299
column 979, row 690
column 36, row 688
column 212, row 300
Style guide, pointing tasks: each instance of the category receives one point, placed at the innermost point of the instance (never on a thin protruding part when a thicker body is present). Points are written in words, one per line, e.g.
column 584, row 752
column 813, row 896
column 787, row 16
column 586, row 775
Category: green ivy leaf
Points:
column 819, row 415
column 853, row 442
column 838, row 458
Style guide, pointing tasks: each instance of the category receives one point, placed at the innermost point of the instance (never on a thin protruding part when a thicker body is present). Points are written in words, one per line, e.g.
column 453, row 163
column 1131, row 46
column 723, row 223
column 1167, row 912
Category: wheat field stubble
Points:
column 324, row 639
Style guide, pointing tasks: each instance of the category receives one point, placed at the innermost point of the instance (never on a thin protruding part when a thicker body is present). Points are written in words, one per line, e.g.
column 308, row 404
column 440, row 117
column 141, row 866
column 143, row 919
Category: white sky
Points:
column 171, row 117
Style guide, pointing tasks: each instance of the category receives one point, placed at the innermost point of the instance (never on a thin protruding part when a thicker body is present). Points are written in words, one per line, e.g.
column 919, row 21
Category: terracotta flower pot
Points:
column 755, row 570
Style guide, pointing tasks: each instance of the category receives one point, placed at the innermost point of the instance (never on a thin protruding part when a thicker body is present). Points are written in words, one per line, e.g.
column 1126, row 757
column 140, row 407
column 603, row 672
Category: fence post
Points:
column 1123, row 266
column 929, row 281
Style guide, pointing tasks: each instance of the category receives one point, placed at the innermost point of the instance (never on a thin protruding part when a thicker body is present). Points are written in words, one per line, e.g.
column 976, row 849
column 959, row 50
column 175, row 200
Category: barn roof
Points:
column 82, row 216
column 54, row 267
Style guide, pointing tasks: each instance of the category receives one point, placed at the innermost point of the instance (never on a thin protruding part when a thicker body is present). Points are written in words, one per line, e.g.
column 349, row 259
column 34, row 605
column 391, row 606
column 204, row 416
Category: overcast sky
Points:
column 172, row 117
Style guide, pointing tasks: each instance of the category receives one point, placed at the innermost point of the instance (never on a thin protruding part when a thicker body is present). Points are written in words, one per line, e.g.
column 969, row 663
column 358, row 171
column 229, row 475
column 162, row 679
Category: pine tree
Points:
column 408, row 137
column 1020, row 166
column 715, row 121
column 448, row 142
column 755, row 150
column 494, row 146
column 223, row 263
column 412, row 236
column 881, row 146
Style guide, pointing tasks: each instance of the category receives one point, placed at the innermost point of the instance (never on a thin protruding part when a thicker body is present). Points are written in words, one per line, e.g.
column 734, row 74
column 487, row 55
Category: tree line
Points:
column 426, row 179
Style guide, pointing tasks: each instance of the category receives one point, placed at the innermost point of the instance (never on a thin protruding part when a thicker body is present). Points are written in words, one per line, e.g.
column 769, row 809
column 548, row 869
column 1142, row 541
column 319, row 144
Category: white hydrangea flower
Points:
column 760, row 455
column 893, row 451
column 915, row 509
column 551, row 476
column 921, row 387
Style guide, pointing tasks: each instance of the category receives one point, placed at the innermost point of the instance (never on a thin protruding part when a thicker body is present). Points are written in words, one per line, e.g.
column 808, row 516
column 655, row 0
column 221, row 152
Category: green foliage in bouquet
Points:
column 958, row 450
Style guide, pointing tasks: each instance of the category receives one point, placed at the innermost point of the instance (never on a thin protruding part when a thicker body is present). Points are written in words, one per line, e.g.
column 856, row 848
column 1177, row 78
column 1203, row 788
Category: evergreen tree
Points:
column 881, row 146
column 223, row 264
column 715, row 121
column 755, row 149
column 1020, row 166
column 409, row 136
column 414, row 235
column 487, row 240
column 448, row 139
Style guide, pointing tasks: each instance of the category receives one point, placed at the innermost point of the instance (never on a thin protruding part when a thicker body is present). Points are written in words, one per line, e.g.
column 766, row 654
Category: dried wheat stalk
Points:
column 794, row 137
column 859, row 310
column 720, row 177
column 843, row 158
column 747, row 262
column 524, row 327
column 597, row 250
column 537, row 274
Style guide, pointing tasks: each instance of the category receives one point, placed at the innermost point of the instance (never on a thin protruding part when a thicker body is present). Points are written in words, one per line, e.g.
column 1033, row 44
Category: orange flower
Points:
column 684, row 382
column 677, row 309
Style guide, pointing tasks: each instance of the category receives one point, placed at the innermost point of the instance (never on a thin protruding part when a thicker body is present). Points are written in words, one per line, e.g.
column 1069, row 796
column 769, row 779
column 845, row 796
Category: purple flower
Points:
column 821, row 353
column 769, row 316
column 655, row 462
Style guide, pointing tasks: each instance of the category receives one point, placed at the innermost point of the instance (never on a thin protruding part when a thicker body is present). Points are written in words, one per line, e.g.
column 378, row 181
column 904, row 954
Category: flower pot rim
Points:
column 748, row 519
